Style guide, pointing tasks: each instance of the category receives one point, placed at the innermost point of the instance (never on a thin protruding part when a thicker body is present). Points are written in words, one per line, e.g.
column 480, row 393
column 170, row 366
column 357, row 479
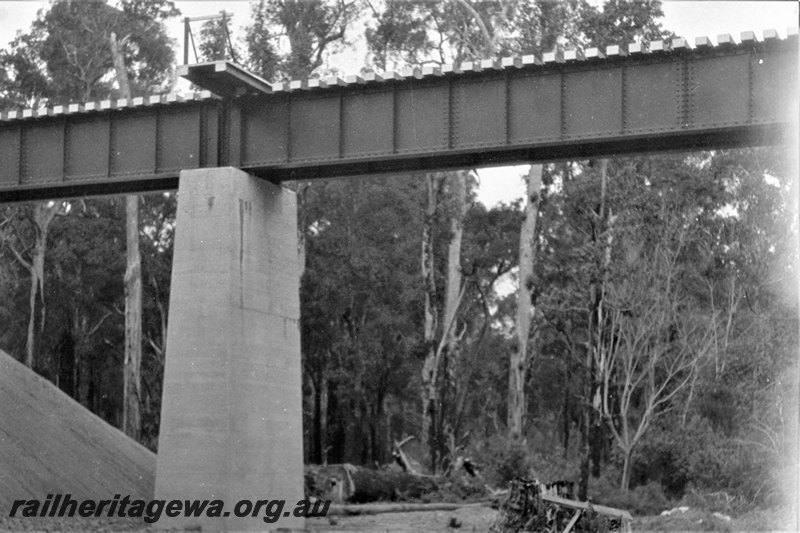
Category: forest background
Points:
column 648, row 349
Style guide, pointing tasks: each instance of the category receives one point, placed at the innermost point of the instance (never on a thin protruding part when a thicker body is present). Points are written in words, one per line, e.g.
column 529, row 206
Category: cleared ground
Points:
column 468, row 520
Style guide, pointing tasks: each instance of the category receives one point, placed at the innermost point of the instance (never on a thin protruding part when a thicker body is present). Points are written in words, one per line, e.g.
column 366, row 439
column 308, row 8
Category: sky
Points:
column 689, row 19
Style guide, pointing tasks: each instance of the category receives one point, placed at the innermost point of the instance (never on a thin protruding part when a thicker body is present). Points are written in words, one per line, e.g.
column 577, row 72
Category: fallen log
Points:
column 355, row 484
column 612, row 512
column 379, row 508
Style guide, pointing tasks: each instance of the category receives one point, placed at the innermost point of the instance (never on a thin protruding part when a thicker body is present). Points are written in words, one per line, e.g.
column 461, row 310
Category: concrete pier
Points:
column 231, row 417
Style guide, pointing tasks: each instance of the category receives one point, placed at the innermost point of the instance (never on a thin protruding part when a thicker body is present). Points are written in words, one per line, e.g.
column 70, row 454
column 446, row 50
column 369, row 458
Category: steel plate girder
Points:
column 685, row 99
column 119, row 150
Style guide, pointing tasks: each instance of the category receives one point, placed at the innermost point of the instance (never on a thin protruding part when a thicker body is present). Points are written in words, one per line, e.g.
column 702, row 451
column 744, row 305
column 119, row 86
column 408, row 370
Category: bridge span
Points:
column 643, row 97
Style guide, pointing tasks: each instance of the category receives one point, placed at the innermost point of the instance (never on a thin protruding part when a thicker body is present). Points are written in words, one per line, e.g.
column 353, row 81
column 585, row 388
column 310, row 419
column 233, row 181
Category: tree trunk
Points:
column 323, row 420
column 586, row 422
column 36, row 295
column 592, row 406
column 451, row 340
column 131, row 416
column 302, row 223
column 565, row 435
column 119, row 67
column 597, row 438
column 66, row 363
column 430, row 366
column 447, row 344
column 458, row 191
column 40, row 217
column 316, row 442
column 626, row 469
column 520, row 357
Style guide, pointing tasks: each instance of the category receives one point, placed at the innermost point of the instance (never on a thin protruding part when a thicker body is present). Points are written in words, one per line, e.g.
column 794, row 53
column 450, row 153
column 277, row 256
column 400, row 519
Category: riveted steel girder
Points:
column 667, row 96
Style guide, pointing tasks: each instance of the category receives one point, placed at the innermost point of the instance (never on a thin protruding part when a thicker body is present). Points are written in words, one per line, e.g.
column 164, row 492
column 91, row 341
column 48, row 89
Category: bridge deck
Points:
column 639, row 98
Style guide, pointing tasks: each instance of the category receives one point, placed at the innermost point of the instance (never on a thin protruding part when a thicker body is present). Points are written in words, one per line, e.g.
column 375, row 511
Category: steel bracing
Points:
column 641, row 97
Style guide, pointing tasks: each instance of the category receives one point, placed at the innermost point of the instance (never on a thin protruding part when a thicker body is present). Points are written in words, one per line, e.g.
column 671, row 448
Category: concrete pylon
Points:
column 231, row 414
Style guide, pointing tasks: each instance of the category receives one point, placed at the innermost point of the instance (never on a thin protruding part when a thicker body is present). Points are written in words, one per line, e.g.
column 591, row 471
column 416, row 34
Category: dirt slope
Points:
column 51, row 444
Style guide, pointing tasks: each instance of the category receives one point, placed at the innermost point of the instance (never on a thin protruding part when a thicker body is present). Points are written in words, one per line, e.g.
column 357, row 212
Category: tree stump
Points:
column 529, row 507
column 523, row 508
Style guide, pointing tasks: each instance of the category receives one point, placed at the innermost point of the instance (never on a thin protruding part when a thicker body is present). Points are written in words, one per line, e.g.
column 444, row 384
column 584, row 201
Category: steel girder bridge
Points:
column 654, row 97
column 231, row 412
